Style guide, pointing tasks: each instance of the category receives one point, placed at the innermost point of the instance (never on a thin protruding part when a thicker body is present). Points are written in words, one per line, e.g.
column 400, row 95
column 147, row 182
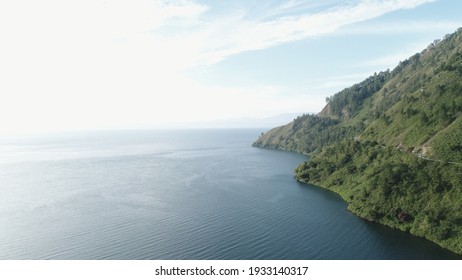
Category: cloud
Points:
column 403, row 27
column 237, row 33
column 95, row 63
column 177, row 34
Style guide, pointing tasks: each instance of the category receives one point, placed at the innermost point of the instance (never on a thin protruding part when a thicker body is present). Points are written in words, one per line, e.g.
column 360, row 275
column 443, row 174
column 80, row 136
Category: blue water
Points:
column 187, row 194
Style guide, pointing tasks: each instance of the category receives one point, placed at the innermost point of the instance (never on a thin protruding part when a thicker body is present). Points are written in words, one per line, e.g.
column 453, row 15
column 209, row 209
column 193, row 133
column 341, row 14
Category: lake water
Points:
column 186, row 194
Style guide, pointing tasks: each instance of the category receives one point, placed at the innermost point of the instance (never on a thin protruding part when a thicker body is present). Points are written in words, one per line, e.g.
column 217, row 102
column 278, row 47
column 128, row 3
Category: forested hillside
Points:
column 391, row 145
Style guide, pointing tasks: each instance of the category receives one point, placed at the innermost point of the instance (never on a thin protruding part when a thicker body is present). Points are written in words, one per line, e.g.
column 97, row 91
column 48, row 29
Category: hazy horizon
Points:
column 239, row 123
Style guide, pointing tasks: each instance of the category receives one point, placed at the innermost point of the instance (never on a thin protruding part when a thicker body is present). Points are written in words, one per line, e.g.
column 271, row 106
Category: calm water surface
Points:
column 191, row 194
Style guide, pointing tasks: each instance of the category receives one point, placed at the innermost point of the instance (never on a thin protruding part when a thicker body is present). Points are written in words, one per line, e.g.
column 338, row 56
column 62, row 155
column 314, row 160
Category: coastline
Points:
column 356, row 213
column 376, row 221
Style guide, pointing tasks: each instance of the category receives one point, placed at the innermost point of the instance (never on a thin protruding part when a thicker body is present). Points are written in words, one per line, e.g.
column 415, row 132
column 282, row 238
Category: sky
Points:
column 94, row 64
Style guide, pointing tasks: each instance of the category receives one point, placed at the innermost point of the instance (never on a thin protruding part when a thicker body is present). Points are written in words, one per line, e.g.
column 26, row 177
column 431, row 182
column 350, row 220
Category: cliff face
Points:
column 391, row 145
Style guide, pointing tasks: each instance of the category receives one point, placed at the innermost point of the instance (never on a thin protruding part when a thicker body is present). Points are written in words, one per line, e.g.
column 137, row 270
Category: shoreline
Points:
column 355, row 213
column 375, row 221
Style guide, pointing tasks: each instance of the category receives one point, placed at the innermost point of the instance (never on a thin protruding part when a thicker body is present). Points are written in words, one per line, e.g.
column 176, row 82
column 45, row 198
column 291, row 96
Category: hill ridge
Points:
column 389, row 144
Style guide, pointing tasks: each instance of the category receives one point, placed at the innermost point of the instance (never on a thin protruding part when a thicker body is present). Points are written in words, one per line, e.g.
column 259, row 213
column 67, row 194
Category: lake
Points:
column 177, row 194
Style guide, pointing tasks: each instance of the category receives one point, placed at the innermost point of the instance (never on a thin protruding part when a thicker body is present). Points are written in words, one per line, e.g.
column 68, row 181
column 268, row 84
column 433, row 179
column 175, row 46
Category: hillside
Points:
column 391, row 145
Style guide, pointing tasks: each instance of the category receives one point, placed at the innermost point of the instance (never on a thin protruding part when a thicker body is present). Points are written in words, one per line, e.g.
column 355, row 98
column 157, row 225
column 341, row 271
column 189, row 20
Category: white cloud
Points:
column 94, row 63
column 403, row 27
column 242, row 34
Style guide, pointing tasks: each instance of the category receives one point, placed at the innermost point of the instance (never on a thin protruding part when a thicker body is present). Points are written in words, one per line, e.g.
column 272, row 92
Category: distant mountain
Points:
column 247, row 122
column 391, row 145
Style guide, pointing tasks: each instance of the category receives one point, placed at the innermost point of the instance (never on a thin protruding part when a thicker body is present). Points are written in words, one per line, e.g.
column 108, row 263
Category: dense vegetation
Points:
column 307, row 133
column 392, row 144
column 398, row 189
